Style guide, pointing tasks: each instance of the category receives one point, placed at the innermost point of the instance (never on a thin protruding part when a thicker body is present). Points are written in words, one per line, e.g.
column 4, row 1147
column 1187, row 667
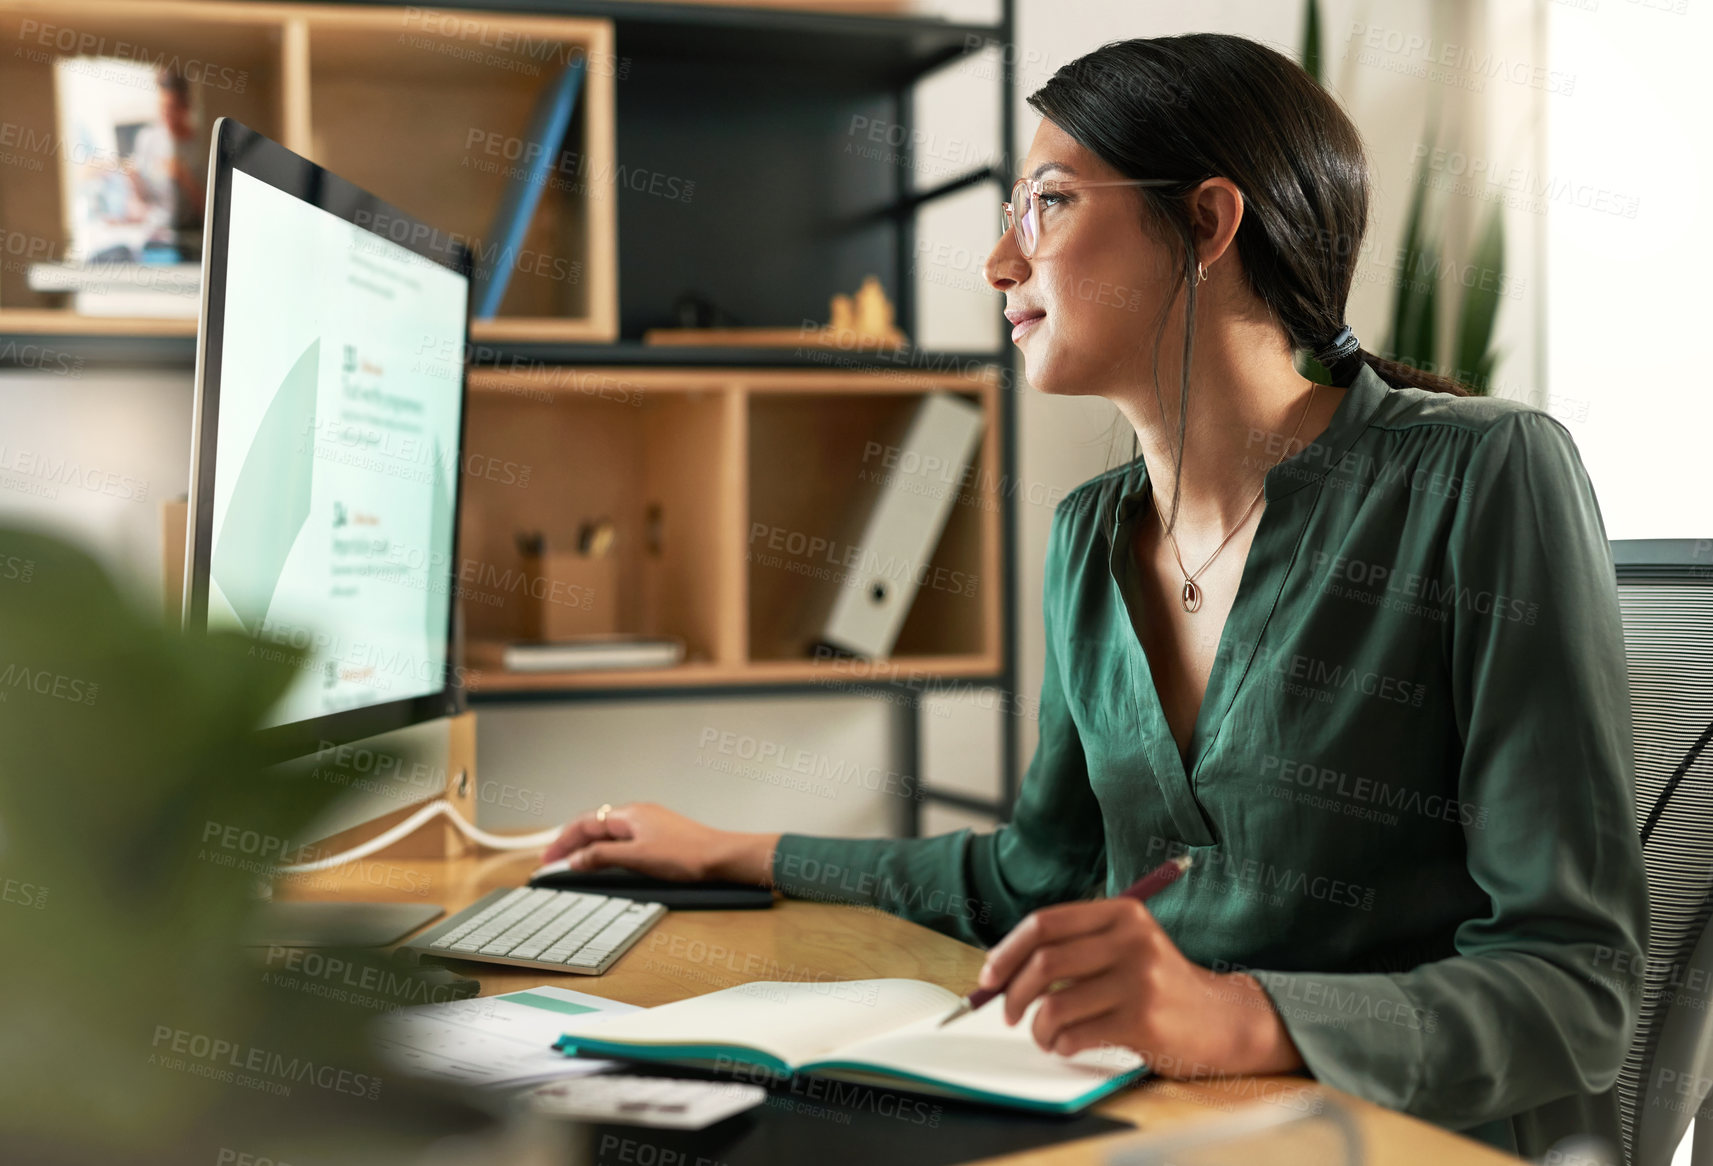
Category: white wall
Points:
column 809, row 764
column 93, row 454
column 1628, row 254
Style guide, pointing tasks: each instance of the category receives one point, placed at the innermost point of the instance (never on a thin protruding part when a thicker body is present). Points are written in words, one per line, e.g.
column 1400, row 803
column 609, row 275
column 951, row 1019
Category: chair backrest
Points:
column 1665, row 590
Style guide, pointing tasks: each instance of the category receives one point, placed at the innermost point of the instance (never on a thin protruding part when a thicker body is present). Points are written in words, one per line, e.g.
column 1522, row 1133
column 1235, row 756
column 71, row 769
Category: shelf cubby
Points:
column 553, row 449
column 375, row 93
column 238, row 61
column 816, row 462
column 687, row 463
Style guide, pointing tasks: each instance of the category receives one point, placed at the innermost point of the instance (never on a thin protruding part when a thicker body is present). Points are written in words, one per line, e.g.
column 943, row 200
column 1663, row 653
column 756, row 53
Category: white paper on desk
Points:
column 491, row 1040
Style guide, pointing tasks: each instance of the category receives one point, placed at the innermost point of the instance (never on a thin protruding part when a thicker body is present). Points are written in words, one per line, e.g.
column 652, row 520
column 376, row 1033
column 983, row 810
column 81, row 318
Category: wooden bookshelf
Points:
column 686, row 455
column 65, row 322
column 690, row 464
column 421, row 116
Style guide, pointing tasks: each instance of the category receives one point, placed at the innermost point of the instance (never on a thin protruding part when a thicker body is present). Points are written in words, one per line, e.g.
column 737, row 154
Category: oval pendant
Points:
column 1192, row 595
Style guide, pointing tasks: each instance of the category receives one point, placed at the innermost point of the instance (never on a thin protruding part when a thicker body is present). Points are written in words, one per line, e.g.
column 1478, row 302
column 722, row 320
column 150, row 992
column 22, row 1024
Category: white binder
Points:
column 920, row 480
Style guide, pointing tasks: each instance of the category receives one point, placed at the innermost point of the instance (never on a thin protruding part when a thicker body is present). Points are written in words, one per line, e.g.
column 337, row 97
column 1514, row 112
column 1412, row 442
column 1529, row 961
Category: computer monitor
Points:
column 327, row 430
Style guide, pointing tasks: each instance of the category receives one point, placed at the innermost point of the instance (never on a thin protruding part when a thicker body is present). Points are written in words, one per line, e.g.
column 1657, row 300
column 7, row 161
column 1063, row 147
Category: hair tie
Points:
column 1342, row 344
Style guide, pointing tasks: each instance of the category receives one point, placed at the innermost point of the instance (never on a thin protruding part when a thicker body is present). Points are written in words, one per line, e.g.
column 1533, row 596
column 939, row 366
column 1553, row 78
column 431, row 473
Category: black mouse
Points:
column 624, row 883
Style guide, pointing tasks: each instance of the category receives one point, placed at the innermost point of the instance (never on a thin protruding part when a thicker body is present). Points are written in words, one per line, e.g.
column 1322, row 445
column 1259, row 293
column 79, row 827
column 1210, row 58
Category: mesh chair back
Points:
column 1665, row 591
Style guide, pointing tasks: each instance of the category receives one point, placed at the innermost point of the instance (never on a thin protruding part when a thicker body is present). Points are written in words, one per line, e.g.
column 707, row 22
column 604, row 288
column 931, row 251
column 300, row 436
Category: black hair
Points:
column 1209, row 105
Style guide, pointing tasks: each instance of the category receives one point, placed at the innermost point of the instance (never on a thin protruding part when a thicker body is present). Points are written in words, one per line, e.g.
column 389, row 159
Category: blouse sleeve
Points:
column 1528, row 1011
column 977, row 887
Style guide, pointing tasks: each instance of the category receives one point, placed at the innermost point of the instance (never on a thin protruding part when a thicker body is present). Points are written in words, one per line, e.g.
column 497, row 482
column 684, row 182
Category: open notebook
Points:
column 878, row 1032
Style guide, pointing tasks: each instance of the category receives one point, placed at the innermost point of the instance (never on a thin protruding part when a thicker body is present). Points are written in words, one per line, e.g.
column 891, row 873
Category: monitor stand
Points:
column 297, row 923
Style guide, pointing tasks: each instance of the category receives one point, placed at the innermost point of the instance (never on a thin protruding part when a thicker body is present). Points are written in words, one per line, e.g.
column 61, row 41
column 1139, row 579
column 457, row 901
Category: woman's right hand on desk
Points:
column 653, row 840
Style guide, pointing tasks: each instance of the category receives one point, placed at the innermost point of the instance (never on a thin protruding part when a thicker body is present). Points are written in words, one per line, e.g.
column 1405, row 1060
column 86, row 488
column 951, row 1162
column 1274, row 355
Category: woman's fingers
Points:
column 641, row 836
column 619, row 823
column 1093, row 1030
column 572, row 837
column 1048, row 925
column 1075, row 1005
column 584, row 829
column 598, row 855
column 1071, row 959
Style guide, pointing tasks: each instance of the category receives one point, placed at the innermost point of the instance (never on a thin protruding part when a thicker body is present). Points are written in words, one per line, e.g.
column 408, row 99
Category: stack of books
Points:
column 124, row 289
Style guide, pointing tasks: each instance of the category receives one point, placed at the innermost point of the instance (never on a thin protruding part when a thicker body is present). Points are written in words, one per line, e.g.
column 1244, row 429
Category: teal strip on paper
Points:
column 536, row 1000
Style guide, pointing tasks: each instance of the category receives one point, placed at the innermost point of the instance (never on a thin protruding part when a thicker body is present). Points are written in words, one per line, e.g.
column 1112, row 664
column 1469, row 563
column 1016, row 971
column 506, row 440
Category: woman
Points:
column 1355, row 648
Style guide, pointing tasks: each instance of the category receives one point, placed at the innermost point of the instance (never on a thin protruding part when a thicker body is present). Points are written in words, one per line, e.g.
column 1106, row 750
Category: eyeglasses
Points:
column 1023, row 211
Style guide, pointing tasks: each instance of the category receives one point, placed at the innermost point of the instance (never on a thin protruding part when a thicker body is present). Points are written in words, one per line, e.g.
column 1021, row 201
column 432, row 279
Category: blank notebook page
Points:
column 794, row 1021
column 978, row 1051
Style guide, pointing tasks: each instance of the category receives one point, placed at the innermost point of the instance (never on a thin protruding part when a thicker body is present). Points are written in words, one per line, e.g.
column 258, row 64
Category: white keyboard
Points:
column 531, row 927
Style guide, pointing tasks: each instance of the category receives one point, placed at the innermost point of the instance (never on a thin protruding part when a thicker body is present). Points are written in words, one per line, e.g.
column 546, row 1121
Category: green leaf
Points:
column 1311, row 41
column 1415, row 305
column 138, row 813
column 1474, row 352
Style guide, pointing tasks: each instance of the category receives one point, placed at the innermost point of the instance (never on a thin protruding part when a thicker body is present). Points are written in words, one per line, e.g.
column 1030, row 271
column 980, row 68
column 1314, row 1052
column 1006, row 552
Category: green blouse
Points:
column 1409, row 792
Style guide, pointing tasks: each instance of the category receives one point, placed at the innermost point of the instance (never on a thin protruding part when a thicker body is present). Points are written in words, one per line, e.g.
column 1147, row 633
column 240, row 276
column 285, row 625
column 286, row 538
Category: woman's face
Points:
column 1089, row 299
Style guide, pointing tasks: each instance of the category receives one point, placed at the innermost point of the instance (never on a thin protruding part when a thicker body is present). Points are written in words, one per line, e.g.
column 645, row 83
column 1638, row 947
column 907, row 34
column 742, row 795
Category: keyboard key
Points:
column 550, row 935
column 614, row 934
column 572, row 930
column 533, row 947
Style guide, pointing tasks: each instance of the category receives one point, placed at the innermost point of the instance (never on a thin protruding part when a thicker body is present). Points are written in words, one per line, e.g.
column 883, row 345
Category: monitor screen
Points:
column 333, row 496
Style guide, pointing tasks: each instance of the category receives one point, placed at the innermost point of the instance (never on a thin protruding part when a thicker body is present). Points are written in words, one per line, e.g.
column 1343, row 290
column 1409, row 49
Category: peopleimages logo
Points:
column 1343, row 1003
column 1321, row 678
column 509, row 42
column 1379, row 584
column 54, row 472
column 849, row 565
column 831, row 879
column 16, row 677
column 234, row 1063
column 1339, row 784
column 42, row 42
column 1255, row 875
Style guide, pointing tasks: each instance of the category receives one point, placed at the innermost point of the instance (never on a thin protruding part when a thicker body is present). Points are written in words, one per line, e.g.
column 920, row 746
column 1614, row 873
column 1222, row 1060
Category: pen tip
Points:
column 1184, row 861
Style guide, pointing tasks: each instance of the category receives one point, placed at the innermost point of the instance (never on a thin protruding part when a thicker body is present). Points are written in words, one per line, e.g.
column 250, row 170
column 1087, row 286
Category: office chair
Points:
column 1665, row 592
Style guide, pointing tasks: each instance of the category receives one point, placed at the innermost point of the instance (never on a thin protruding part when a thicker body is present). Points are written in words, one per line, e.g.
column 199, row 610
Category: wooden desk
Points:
column 691, row 952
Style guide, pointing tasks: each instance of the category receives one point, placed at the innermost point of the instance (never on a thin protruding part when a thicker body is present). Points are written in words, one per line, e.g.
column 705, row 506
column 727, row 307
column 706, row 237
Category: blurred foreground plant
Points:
column 133, row 1026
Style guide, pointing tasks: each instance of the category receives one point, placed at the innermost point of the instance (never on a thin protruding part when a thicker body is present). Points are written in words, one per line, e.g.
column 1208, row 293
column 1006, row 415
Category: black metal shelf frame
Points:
column 906, row 716
column 954, row 42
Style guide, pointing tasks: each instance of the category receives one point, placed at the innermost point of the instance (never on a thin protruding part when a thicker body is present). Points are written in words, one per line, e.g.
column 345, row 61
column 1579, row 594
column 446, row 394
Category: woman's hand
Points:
column 1126, row 983
column 655, row 841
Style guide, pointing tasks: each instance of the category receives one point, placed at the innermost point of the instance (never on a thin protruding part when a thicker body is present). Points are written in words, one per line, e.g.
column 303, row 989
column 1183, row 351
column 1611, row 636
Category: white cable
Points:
column 536, row 841
column 440, row 808
column 379, row 842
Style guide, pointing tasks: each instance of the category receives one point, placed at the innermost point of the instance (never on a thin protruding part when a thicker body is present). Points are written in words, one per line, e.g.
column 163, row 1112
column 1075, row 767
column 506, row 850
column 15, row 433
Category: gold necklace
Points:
column 1192, row 592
